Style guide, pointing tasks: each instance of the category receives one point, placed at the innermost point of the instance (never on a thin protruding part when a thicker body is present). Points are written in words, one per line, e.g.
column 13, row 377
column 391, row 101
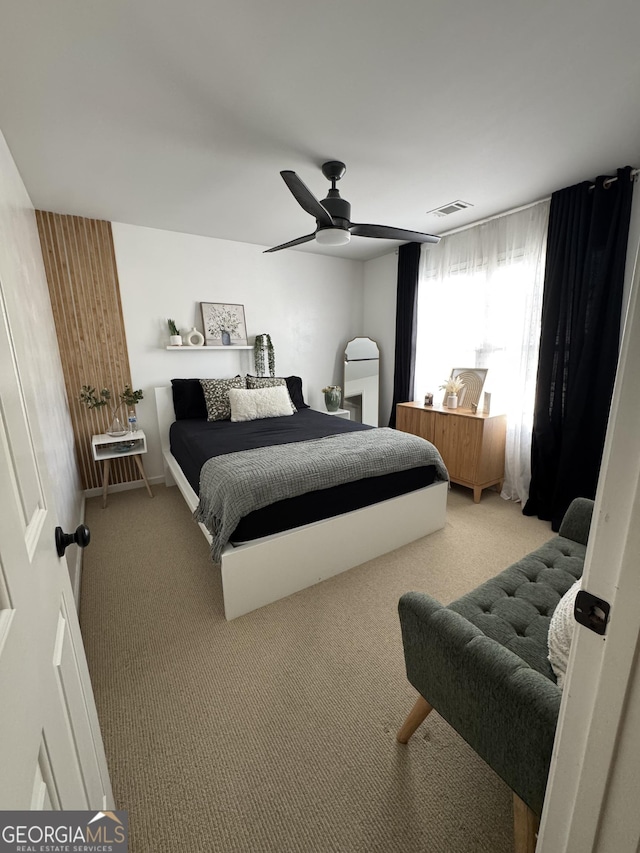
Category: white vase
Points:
column 452, row 401
column 195, row 338
column 175, row 340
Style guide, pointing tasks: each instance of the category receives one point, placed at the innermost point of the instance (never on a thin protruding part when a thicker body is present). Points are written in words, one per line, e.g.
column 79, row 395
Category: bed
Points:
column 282, row 548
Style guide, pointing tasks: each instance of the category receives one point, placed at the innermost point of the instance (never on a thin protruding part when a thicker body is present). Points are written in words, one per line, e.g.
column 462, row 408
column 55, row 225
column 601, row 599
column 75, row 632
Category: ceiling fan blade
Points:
column 387, row 233
column 306, row 198
column 288, row 245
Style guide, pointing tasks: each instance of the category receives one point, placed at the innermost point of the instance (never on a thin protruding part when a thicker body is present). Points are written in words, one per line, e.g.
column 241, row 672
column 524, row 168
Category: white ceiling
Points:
column 180, row 114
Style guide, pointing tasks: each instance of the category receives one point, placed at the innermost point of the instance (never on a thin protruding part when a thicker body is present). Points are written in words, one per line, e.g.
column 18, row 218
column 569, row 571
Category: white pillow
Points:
column 256, row 403
column 561, row 630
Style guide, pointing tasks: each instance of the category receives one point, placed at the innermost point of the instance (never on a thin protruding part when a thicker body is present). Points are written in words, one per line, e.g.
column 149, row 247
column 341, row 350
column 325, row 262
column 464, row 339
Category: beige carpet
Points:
column 276, row 732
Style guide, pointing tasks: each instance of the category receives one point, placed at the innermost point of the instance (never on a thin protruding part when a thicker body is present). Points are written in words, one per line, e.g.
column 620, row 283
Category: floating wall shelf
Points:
column 230, row 348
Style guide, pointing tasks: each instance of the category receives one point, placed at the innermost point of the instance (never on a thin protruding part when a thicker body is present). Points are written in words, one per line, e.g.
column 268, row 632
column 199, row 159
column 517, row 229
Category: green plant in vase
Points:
column 93, row 399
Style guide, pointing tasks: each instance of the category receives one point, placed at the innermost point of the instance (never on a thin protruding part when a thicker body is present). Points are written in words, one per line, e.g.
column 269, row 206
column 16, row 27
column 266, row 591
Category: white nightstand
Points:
column 104, row 448
column 339, row 413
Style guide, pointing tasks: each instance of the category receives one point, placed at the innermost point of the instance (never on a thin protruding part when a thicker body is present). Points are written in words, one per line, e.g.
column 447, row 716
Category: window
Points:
column 480, row 301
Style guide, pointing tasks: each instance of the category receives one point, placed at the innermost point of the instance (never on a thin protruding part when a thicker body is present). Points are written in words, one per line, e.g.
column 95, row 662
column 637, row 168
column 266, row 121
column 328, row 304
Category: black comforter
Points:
column 195, row 441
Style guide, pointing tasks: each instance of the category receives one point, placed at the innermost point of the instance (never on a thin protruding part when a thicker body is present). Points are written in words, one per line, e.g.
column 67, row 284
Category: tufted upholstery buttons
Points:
column 515, row 607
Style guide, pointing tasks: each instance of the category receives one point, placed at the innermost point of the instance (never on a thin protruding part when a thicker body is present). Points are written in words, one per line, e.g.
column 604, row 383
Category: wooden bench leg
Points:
column 417, row 715
column 525, row 827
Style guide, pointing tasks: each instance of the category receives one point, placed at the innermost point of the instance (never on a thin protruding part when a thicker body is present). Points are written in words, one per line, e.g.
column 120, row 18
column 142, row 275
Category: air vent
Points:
column 452, row 207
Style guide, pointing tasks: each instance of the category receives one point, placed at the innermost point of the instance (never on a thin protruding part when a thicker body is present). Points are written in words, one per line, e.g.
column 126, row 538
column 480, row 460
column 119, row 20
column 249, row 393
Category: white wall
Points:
column 28, row 306
column 309, row 304
column 379, row 321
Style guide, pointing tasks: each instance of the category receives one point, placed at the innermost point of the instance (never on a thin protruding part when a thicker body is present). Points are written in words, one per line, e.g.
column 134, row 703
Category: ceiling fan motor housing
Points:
column 339, row 208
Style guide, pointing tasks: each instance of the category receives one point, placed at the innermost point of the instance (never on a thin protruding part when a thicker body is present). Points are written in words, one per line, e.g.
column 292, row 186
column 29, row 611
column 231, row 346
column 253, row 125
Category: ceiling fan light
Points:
column 332, row 236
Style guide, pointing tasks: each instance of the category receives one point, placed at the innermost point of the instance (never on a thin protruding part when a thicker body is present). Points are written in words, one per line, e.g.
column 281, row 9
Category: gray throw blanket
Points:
column 235, row 484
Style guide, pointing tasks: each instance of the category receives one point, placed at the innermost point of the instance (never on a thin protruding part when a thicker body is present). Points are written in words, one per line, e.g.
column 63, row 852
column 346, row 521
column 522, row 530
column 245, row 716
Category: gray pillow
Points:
column 216, row 396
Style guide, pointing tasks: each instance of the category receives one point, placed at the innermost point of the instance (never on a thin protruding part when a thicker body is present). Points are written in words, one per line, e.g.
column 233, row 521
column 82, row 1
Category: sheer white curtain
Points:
column 480, row 301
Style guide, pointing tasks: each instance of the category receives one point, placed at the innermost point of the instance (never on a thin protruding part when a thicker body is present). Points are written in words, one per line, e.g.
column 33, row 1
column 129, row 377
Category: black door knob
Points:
column 81, row 537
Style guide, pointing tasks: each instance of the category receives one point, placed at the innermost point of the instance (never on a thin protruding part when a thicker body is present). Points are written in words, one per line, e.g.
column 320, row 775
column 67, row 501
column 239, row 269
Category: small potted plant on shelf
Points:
column 94, row 400
column 452, row 387
column 175, row 339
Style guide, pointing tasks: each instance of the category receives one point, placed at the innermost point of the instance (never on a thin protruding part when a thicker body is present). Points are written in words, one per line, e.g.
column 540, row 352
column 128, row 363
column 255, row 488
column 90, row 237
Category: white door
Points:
column 591, row 804
column 51, row 750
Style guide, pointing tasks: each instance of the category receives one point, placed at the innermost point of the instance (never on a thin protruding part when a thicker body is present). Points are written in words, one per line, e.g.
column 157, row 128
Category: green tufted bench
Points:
column 482, row 663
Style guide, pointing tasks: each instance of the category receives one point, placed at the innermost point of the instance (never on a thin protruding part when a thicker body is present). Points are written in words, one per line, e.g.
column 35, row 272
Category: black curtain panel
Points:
column 406, row 326
column 581, row 308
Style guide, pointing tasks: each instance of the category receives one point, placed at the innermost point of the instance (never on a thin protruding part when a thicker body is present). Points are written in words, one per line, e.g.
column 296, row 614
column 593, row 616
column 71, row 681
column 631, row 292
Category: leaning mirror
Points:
column 361, row 380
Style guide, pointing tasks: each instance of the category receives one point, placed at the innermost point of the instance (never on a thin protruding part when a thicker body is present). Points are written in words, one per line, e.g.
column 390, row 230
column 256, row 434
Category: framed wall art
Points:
column 473, row 378
column 224, row 324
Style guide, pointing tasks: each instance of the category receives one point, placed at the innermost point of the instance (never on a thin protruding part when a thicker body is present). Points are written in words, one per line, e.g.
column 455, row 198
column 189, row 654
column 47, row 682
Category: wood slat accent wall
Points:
column 80, row 263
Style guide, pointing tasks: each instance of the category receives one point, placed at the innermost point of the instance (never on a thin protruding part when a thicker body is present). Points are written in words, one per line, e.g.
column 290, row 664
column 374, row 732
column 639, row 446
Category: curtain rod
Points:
column 634, row 173
column 495, row 216
column 609, row 181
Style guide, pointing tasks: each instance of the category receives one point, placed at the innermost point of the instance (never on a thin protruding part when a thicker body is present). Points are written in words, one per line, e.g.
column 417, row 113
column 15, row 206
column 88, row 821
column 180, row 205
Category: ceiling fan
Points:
column 334, row 228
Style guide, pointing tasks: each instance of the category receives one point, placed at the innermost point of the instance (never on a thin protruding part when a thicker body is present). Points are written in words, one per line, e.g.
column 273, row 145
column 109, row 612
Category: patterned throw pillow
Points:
column 216, row 396
column 264, row 381
column 267, row 382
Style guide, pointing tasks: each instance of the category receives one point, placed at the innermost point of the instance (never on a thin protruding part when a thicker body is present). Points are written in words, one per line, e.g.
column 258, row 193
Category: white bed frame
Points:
column 267, row 569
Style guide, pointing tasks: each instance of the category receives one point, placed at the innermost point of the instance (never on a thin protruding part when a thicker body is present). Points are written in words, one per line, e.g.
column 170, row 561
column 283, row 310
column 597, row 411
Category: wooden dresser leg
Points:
column 525, row 827
column 477, row 494
column 417, row 715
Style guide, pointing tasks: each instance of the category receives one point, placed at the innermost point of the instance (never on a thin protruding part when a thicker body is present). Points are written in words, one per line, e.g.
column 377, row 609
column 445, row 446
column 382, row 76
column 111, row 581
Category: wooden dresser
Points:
column 471, row 445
